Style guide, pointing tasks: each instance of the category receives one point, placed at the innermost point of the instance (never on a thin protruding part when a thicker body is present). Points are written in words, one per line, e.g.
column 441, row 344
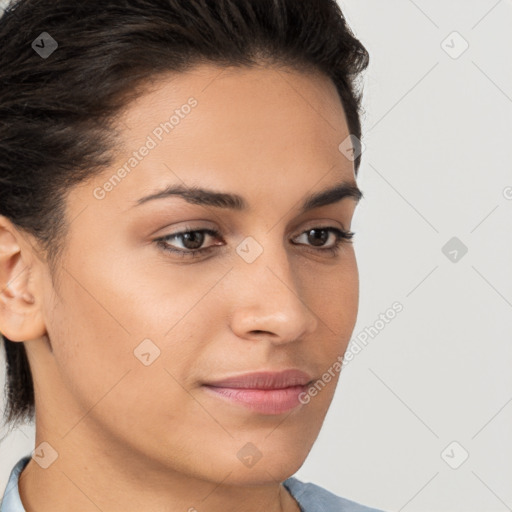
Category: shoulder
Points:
column 11, row 501
column 313, row 498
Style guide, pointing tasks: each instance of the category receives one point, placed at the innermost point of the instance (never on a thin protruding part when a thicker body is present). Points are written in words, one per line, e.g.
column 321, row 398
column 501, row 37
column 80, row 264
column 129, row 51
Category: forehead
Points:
column 266, row 133
column 237, row 105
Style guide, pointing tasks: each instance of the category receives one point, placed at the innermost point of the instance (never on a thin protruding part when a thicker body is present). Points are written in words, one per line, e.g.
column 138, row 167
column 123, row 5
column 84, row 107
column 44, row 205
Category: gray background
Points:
column 434, row 385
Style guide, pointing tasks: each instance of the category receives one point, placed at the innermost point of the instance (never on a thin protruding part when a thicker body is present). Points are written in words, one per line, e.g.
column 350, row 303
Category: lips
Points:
column 264, row 380
column 269, row 393
column 262, row 392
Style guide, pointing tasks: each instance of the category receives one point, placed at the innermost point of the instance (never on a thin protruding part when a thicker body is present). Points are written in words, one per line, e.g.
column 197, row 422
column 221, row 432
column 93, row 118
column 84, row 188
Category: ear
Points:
column 21, row 316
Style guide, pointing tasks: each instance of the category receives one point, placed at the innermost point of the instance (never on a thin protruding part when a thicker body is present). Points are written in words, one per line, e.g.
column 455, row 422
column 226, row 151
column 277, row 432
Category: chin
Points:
column 268, row 469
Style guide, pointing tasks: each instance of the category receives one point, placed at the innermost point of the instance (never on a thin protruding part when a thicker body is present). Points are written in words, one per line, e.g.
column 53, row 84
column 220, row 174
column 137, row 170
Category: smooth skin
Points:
column 131, row 436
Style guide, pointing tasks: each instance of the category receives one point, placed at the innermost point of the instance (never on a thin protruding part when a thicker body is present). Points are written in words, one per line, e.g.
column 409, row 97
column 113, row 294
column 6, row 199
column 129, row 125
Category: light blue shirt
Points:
column 310, row 497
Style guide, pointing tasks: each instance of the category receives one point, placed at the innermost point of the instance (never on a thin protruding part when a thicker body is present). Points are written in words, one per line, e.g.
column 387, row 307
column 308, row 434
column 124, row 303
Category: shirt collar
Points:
column 11, row 501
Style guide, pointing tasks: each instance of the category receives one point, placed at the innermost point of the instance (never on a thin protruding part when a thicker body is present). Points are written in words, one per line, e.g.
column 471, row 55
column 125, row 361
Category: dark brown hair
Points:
column 57, row 114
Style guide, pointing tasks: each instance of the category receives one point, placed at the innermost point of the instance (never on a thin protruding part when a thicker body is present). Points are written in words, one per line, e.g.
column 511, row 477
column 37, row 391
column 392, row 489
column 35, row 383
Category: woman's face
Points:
column 136, row 330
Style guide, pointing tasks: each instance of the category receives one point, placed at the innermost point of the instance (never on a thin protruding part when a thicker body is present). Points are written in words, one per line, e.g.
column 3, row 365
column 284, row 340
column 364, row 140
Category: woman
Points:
column 178, row 280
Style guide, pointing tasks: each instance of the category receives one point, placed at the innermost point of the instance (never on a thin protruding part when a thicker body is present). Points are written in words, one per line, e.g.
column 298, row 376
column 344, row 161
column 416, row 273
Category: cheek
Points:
column 90, row 349
column 103, row 381
column 147, row 407
column 116, row 319
column 333, row 294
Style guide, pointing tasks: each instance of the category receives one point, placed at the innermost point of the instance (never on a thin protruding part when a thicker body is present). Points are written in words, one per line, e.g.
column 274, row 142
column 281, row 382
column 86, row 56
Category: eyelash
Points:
column 342, row 237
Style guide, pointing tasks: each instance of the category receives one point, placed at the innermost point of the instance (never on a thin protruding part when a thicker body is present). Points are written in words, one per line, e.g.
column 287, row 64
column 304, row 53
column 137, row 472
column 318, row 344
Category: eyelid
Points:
column 341, row 235
column 213, row 231
column 321, row 224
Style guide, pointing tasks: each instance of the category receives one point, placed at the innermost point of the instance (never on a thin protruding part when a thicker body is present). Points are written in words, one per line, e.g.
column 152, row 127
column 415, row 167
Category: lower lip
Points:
column 264, row 401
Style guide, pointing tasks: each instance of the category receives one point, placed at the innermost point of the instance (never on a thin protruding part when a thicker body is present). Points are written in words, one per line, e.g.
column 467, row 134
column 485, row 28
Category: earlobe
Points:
column 20, row 313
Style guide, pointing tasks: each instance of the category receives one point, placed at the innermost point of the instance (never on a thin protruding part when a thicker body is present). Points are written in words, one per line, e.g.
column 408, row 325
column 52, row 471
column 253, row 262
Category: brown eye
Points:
column 318, row 237
column 191, row 240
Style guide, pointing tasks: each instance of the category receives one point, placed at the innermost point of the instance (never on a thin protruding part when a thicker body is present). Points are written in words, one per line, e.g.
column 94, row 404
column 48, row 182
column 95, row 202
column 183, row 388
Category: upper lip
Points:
column 264, row 380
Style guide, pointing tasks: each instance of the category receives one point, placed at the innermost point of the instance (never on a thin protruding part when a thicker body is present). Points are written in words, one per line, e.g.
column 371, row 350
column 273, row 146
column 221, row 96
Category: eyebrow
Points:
column 205, row 197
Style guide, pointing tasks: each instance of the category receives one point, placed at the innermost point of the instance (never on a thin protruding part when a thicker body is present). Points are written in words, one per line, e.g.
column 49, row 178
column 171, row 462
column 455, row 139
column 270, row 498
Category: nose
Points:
column 269, row 300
